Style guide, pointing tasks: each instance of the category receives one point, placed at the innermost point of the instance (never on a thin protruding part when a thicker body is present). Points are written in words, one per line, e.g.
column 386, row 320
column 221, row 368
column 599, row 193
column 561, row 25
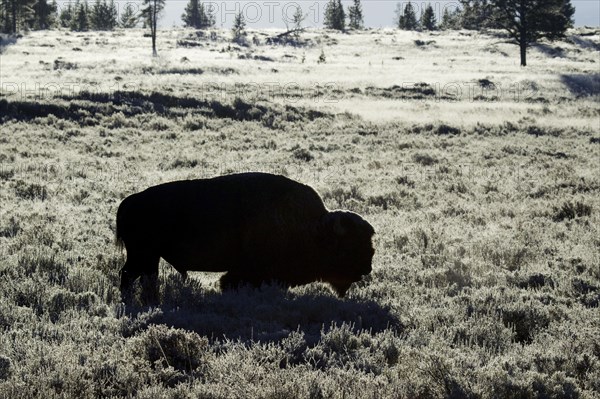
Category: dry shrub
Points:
column 571, row 210
column 164, row 347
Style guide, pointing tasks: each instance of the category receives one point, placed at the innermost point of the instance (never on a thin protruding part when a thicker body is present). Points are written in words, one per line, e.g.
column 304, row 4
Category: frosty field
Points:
column 479, row 176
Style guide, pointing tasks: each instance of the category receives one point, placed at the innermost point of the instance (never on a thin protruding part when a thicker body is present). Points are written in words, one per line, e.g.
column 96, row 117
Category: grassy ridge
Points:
column 486, row 278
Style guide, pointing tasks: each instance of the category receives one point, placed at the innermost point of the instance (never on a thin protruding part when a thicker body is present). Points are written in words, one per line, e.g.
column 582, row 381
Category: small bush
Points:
column 183, row 163
column 192, row 123
column 30, row 191
column 116, row 121
column 401, row 243
column 405, row 181
column 421, row 43
column 322, row 58
column 386, row 201
column 159, row 124
column 525, row 319
column 537, row 280
column 59, row 302
column 341, row 196
column 303, row 154
column 5, row 368
column 62, row 64
column 165, row 347
column 11, row 229
column 45, row 265
column 571, row 210
column 424, row 159
column 486, row 84
column 444, row 129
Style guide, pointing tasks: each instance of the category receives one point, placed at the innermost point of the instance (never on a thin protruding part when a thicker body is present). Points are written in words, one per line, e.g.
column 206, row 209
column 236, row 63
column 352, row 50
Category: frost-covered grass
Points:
column 486, row 277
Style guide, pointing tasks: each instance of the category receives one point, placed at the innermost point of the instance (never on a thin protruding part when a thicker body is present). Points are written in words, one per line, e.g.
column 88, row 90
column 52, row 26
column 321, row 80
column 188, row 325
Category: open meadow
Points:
column 481, row 179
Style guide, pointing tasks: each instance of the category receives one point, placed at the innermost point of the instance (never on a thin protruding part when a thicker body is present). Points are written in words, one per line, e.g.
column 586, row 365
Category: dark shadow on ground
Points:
column 582, row 84
column 267, row 314
column 586, row 44
column 7, row 40
column 551, row 51
column 80, row 107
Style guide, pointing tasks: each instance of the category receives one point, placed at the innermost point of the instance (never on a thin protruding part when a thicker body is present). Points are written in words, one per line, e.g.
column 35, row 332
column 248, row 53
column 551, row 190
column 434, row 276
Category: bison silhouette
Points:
column 257, row 227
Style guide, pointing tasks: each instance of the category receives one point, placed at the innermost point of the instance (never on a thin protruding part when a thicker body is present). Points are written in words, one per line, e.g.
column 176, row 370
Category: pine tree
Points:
column 152, row 12
column 17, row 15
column 477, row 14
column 407, row 18
column 239, row 27
column 80, row 20
column 196, row 16
column 298, row 18
column 428, row 21
column 103, row 15
column 128, row 19
column 45, row 14
column 207, row 19
column 191, row 14
column 527, row 21
column 451, row 19
column 355, row 15
column 335, row 17
column 66, row 16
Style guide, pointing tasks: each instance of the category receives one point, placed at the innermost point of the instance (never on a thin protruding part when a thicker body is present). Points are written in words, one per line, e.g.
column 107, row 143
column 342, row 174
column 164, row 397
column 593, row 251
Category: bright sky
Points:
column 271, row 13
column 377, row 13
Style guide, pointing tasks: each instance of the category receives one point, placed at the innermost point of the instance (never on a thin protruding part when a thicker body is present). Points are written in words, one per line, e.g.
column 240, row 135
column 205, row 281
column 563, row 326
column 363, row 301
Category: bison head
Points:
column 350, row 250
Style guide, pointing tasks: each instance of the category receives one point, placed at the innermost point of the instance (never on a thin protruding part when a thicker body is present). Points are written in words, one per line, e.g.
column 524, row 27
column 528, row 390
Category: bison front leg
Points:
column 150, row 288
column 230, row 281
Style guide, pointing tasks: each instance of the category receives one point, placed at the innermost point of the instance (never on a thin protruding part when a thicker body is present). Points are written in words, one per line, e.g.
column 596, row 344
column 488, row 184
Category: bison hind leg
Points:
column 233, row 280
column 140, row 264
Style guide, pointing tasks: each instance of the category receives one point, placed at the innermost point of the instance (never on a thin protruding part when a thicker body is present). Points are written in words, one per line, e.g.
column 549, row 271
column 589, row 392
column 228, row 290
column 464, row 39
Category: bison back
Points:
column 233, row 222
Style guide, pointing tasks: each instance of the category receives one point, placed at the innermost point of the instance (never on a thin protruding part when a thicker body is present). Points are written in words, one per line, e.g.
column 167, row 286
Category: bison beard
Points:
column 257, row 227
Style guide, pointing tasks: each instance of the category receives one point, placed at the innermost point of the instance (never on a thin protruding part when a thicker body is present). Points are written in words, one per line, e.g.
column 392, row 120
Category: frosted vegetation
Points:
column 480, row 178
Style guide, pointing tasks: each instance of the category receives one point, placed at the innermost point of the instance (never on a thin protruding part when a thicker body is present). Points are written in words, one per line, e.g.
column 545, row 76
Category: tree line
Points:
column 81, row 15
column 525, row 21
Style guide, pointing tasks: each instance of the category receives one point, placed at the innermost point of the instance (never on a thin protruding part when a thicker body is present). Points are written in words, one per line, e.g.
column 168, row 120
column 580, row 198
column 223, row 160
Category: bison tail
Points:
column 119, row 228
column 119, row 242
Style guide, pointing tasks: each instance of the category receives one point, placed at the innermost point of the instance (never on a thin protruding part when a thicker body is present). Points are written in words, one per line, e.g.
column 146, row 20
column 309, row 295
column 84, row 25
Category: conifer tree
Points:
column 44, row 14
column 450, row 19
column 196, row 16
column 407, row 18
column 66, row 16
column 239, row 27
column 80, row 20
column 428, row 21
column 129, row 18
column 17, row 15
column 103, row 15
column 191, row 14
column 298, row 18
column 355, row 15
column 527, row 21
column 477, row 14
column 335, row 17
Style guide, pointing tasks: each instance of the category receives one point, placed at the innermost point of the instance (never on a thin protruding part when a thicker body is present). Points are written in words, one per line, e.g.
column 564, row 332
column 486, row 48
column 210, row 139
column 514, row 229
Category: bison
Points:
column 257, row 227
